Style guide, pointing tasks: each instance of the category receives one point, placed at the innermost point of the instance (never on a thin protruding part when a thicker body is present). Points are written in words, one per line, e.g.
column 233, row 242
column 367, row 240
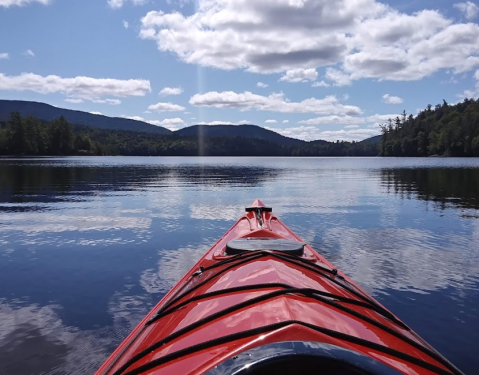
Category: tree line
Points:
column 445, row 130
column 30, row 136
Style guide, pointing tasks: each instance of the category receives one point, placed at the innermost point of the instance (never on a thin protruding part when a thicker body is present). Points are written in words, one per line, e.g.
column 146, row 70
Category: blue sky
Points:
column 309, row 69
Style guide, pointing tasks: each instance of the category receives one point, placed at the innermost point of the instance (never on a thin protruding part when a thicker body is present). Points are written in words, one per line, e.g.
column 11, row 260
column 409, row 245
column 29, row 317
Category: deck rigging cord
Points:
column 174, row 303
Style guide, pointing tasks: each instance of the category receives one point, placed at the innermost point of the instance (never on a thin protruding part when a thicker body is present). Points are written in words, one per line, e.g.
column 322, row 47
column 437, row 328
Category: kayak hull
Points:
column 227, row 305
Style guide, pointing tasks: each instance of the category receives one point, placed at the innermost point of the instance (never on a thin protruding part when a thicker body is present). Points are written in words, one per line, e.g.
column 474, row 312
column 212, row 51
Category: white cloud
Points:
column 469, row 9
column 388, row 99
column 339, row 78
column 107, row 101
column 29, row 52
column 166, row 107
column 271, row 122
column 285, row 121
column 404, row 47
column 472, row 93
column 218, row 122
column 126, row 25
column 239, row 34
column 4, row 56
column 299, row 75
column 115, row 4
column 275, row 102
column 347, row 120
column 9, row 3
column 74, row 100
column 320, row 84
column 79, row 87
column 312, row 133
column 262, row 85
column 356, row 39
column 171, row 91
column 96, row 113
column 136, row 118
column 169, row 123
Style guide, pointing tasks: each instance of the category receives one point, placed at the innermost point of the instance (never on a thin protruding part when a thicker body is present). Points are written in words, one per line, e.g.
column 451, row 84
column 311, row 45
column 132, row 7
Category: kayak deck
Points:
column 243, row 296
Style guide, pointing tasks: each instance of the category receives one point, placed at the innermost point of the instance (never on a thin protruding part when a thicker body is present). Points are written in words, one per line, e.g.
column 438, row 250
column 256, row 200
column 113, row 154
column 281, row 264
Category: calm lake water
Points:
column 89, row 245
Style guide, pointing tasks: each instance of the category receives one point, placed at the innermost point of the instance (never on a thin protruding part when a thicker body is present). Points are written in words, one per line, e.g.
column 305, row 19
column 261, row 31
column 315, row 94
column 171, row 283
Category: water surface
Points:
column 89, row 245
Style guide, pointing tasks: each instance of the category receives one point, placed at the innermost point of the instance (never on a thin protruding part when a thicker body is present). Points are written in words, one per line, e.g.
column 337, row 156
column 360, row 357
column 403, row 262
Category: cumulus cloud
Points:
column 9, row 3
column 252, row 34
column 347, row 120
column 166, row 107
column 74, row 100
column 275, row 102
column 339, row 78
column 170, row 123
column 259, row 84
column 472, row 93
column 29, row 52
column 404, row 47
column 357, row 39
column 171, row 91
column 4, row 56
column 271, row 121
column 320, row 84
column 96, row 113
column 312, row 133
column 107, row 101
column 299, row 75
column 136, row 118
column 79, row 87
column 285, row 121
column 126, row 25
column 469, row 9
column 116, row 4
column 388, row 99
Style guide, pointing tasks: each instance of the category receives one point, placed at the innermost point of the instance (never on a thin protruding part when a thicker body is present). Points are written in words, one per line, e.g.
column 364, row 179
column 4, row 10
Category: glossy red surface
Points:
column 264, row 270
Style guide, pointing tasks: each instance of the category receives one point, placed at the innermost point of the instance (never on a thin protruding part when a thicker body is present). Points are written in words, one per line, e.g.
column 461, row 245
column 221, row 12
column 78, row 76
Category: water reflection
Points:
column 444, row 186
column 34, row 185
column 118, row 233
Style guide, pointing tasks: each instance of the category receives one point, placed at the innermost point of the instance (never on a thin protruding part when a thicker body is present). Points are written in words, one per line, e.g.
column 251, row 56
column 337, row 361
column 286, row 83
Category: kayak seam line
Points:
column 263, row 286
column 265, row 297
column 335, row 334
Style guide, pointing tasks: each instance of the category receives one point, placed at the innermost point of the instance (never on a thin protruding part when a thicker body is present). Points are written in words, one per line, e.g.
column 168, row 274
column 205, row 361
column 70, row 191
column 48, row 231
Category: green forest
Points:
column 446, row 130
column 29, row 136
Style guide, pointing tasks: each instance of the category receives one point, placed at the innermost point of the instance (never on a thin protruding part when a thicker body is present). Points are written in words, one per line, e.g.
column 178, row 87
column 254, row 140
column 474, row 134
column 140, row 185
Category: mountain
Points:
column 48, row 112
column 375, row 139
column 245, row 131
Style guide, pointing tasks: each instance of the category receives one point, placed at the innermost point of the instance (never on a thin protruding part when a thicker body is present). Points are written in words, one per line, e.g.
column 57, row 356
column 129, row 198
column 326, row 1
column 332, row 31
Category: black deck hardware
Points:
column 243, row 245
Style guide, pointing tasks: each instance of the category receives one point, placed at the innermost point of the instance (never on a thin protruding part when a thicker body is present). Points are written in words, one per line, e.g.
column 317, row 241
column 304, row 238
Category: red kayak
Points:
column 261, row 301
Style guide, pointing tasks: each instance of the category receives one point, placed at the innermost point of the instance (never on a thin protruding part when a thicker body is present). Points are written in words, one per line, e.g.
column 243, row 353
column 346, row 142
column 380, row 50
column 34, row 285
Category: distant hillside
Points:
column 48, row 112
column 245, row 131
column 375, row 139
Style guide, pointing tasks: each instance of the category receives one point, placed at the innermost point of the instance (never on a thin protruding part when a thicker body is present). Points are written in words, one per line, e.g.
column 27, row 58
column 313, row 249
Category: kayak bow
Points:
column 262, row 301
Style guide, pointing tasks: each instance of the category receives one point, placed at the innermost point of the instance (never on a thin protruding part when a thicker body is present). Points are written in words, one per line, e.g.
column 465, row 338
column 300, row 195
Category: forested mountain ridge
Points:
column 245, row 131
column 29, row 136
column 47, row 112
column 445, row 130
